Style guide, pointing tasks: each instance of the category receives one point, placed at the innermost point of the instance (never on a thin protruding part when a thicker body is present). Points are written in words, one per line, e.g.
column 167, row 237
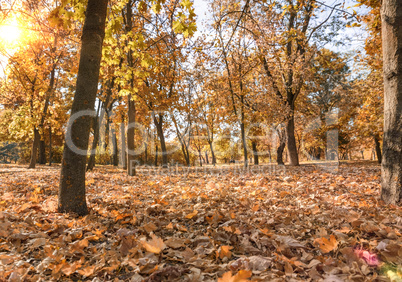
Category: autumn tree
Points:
column 391, row 168
column 72, row 179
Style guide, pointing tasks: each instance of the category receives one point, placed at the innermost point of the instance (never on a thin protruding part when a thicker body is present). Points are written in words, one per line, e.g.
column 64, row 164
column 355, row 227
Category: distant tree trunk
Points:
column 107, row 130
column 123, row 156
column 115, row 160
column 282, row 143
column 72, row 180
column 200, row 157
column 212, row 153
column 50, row 146
column 159, row 129
column 206, row 157
column 291, row 140
column 96, row 123
column 34, row 150
column 279, row 153
column 242, row 129
column 156, row 155
column 42, row 152
column 255, row 152
column 130, row 137
column 378, row 147
column 391, row 166
column 146, row 153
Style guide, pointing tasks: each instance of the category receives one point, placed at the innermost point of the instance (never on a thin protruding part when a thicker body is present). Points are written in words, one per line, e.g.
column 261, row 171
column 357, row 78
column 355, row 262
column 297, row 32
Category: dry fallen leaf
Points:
column 326, row 245
column 155, row 245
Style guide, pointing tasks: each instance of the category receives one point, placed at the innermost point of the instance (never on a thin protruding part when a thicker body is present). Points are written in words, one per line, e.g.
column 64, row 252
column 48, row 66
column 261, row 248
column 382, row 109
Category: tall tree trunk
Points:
column 131, row 102
column 200, row 157
column 156, row 155
column 130, row 137
column 42, row 152
column 34, row 149
column 72, row 180
column 96, row 124
column 255, row 153
column 391, row 166
column 378, row 147
column 282, row 143
column 159, row 129
column 146, row 153
column 115, row 160
column 123, row 156
column 212, row 153
column 279, row 153
column 50, row 146
column 291, row 140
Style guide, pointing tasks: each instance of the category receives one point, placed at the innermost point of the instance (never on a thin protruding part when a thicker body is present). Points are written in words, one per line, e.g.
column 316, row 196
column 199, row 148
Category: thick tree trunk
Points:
column 72, row 180
column 255, row 153
column 123, row 156
column 34, row 149
column 378, row 147
column 391, row 167
column 130, row 137
column 291, row 141
column 42, row 152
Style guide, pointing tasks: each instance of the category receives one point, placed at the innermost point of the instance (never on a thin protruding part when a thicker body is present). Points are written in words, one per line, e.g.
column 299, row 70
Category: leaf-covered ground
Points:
column 298, row 224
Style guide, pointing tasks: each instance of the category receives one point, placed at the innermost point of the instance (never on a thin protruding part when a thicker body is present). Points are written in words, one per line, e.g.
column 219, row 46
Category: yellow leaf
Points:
column 191, row 215
column 155, row 245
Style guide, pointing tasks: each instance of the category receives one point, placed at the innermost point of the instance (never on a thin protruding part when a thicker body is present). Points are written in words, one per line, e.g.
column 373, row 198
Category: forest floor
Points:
column 309, row 223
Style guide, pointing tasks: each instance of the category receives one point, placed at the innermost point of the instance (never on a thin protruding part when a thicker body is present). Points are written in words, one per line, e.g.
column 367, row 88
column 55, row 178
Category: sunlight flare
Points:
column 10, row 33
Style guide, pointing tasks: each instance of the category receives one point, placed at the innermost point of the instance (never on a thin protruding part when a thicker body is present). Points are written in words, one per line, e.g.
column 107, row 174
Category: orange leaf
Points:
column 326, row 245
column 225, row 252
column 241, row 276
column 155, row 245
column 191, row 215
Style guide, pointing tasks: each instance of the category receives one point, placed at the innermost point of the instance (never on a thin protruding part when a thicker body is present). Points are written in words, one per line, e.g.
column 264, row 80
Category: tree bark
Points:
column 50, row 146
column 255, row 153
column 279, row 153
column 212, row 153
column 34, row 150
column 115, row 159
column 291, row 141
column 156, row 155
column 391, row 166
column 130, row 137
column 159, row 129
column 42, row 152
column 72, row 180
column 123, row 156
column 96, row 123
column 378, row 147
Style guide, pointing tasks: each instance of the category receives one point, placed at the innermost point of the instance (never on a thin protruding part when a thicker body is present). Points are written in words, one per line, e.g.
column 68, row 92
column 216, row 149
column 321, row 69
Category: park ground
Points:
column 307, row 223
